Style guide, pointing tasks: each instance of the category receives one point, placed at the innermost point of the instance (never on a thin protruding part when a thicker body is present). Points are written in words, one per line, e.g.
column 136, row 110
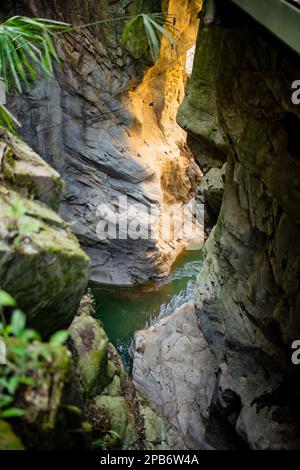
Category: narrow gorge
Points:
column 161, row 340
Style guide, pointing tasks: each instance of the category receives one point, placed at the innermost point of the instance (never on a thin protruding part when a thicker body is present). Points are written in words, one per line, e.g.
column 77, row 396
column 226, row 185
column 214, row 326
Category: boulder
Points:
column 175, row 371
column 41, row 263
column 247, row 293
column 212, row 188
column 53, row 409
column 89, row 344
column 24, row 171
column 119, row 417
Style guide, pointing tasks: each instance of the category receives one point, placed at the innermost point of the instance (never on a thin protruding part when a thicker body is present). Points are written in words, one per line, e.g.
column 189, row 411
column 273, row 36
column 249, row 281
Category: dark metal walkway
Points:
column 281, row 17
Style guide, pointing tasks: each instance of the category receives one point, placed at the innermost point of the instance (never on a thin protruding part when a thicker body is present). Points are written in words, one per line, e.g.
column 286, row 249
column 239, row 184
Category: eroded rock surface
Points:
column 107, row 123
column 176, row 371
column 211, row 189
column 247, row 295
column 238, row 107
column 26, row 172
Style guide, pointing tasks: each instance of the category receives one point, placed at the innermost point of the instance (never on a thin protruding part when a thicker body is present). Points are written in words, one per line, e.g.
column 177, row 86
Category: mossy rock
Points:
column 41, row 262
column 89, row 344
column 156, row 437
column 120, row 418
column 24, row 171
column 198, row 111
column 8, row 439
column 52, row 404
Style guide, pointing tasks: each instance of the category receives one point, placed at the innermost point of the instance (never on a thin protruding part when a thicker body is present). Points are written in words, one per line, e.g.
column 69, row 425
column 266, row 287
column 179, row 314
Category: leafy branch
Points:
column 25, row 354
column 20, row 224
column 26, row 43
column 155, row 26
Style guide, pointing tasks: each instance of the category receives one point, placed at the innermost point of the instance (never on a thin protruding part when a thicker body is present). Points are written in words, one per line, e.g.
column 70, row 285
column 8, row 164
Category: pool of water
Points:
column 124, row 311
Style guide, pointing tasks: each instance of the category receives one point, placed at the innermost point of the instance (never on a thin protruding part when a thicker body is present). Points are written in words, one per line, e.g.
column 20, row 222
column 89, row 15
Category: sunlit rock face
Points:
column 247, row 295
column 107, row 123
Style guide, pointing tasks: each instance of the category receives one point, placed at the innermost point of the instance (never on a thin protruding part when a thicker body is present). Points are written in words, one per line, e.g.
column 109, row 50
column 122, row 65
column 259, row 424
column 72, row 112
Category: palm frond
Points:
column 7, row 120
column 26, row 43
column 153, row 27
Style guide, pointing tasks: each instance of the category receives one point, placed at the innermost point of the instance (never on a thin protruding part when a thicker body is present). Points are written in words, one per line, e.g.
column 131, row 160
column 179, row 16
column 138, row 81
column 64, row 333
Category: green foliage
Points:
column 25, row 46
column 59, row 338
column 25, row 353
column 26, row 43
column 110, row 441
column 154, row 27
column 7, row 120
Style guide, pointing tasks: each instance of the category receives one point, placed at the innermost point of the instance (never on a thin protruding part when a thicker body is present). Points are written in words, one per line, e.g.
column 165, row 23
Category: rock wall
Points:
column 247, row 296
column 106, row 122
column 237, row 109
column 174, row 368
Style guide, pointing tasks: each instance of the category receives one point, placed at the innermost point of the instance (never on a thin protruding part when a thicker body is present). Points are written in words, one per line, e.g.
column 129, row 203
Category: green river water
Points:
column 124, row 311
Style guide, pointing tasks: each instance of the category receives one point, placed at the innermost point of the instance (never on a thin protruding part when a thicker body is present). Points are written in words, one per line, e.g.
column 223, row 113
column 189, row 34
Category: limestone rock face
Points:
column 198, row 112
column 107, row 123
column 175, row 370
column 247, row 295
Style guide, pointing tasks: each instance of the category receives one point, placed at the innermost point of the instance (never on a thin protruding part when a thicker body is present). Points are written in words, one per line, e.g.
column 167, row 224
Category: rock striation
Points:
column 79, row 397
column 119, row 416
column 107, row 123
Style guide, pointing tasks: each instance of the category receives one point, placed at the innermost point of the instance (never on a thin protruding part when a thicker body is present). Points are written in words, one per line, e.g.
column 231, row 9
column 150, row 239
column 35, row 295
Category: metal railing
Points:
column 281, row 17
